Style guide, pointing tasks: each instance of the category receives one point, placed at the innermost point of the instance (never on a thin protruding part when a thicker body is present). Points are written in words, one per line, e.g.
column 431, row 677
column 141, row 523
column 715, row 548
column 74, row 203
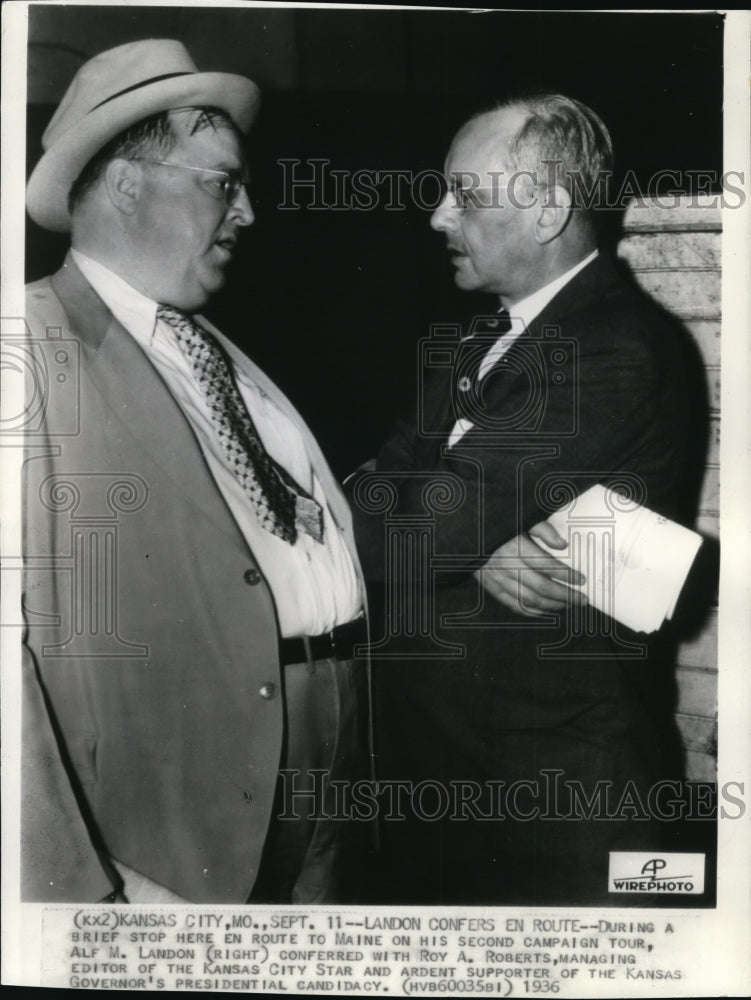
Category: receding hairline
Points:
column 549, row 128
column 535, row 105
column 497, row 141
column 518, row 113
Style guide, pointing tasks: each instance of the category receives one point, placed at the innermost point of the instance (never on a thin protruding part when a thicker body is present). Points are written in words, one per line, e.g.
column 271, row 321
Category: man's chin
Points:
column 198, row 297
column 189, row 303
column 467, row 283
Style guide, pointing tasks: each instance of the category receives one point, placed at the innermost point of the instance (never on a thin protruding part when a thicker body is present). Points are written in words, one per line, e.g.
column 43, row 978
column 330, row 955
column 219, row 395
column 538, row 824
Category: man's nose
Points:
column 444, row 217
column 241, row 211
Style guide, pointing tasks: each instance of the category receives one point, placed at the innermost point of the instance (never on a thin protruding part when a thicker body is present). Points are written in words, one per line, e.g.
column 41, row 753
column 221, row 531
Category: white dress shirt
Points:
column 315, row 585
column 522, row 315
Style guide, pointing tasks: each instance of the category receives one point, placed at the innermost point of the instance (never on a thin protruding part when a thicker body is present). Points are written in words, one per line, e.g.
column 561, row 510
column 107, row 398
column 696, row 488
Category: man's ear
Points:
column 554, row 213
column 123, row 180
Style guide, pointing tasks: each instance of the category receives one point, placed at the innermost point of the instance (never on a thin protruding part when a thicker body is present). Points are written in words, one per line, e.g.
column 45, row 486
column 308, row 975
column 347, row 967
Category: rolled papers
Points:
column 635, row 561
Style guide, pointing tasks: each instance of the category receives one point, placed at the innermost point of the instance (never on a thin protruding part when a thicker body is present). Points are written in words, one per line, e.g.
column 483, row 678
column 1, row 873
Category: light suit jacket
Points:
column 150, row 628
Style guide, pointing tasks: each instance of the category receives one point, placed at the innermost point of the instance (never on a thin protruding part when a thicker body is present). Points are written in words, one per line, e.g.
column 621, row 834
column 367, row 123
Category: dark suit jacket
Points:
column 593, row 392
column 151, row 630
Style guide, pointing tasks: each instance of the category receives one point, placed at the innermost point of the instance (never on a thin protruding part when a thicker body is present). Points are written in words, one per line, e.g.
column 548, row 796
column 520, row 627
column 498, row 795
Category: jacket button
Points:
column 268, row 691
column 252, row 577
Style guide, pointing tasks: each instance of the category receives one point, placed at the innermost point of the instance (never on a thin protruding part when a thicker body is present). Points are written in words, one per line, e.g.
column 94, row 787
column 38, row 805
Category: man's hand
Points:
column 527, row 579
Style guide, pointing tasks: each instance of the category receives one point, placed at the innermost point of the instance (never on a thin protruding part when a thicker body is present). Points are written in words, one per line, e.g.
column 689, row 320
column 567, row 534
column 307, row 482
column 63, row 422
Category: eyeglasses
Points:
column 224, row 184
column 465, row 198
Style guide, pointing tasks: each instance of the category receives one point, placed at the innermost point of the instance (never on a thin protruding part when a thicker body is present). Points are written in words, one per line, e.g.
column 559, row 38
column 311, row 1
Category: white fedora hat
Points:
column 113, row 91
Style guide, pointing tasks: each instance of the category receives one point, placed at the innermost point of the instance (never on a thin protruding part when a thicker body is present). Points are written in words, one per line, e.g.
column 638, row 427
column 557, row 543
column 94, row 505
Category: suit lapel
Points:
column 593, row 282
column 137, row 398
column 140, row 400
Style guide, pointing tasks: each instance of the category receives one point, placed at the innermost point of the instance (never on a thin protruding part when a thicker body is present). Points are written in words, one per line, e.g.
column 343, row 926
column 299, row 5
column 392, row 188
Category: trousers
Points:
column 312, row 854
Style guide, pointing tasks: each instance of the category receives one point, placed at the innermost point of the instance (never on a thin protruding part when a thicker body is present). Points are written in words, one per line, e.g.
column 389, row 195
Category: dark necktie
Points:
column 466, row 393
column 472, row 351
column 282, row 507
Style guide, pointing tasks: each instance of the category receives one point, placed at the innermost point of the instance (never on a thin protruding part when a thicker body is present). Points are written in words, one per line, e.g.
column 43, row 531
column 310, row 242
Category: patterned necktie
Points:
column 282, row 507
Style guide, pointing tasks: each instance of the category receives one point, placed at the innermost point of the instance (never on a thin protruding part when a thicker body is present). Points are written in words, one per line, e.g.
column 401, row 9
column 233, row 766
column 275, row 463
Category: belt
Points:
column 338, row 644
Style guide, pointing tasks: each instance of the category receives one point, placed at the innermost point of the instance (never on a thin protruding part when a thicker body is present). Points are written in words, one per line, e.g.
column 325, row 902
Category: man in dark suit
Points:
column 506, row 717
column 193, row 592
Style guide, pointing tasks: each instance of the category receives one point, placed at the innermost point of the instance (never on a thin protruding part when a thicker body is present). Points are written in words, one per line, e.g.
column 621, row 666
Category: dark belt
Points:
column 338, row 644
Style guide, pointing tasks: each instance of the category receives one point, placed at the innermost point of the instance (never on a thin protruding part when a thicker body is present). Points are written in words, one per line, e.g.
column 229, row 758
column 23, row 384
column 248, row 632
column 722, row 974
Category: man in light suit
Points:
column 579, row 381
column 193, row 592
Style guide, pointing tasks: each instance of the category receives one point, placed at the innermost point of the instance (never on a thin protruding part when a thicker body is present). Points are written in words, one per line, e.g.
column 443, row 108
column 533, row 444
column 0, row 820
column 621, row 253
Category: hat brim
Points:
column 50, row 183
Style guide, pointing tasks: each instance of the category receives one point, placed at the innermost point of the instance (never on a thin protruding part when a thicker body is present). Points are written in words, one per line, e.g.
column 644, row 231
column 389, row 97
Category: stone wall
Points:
column 674, row 253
